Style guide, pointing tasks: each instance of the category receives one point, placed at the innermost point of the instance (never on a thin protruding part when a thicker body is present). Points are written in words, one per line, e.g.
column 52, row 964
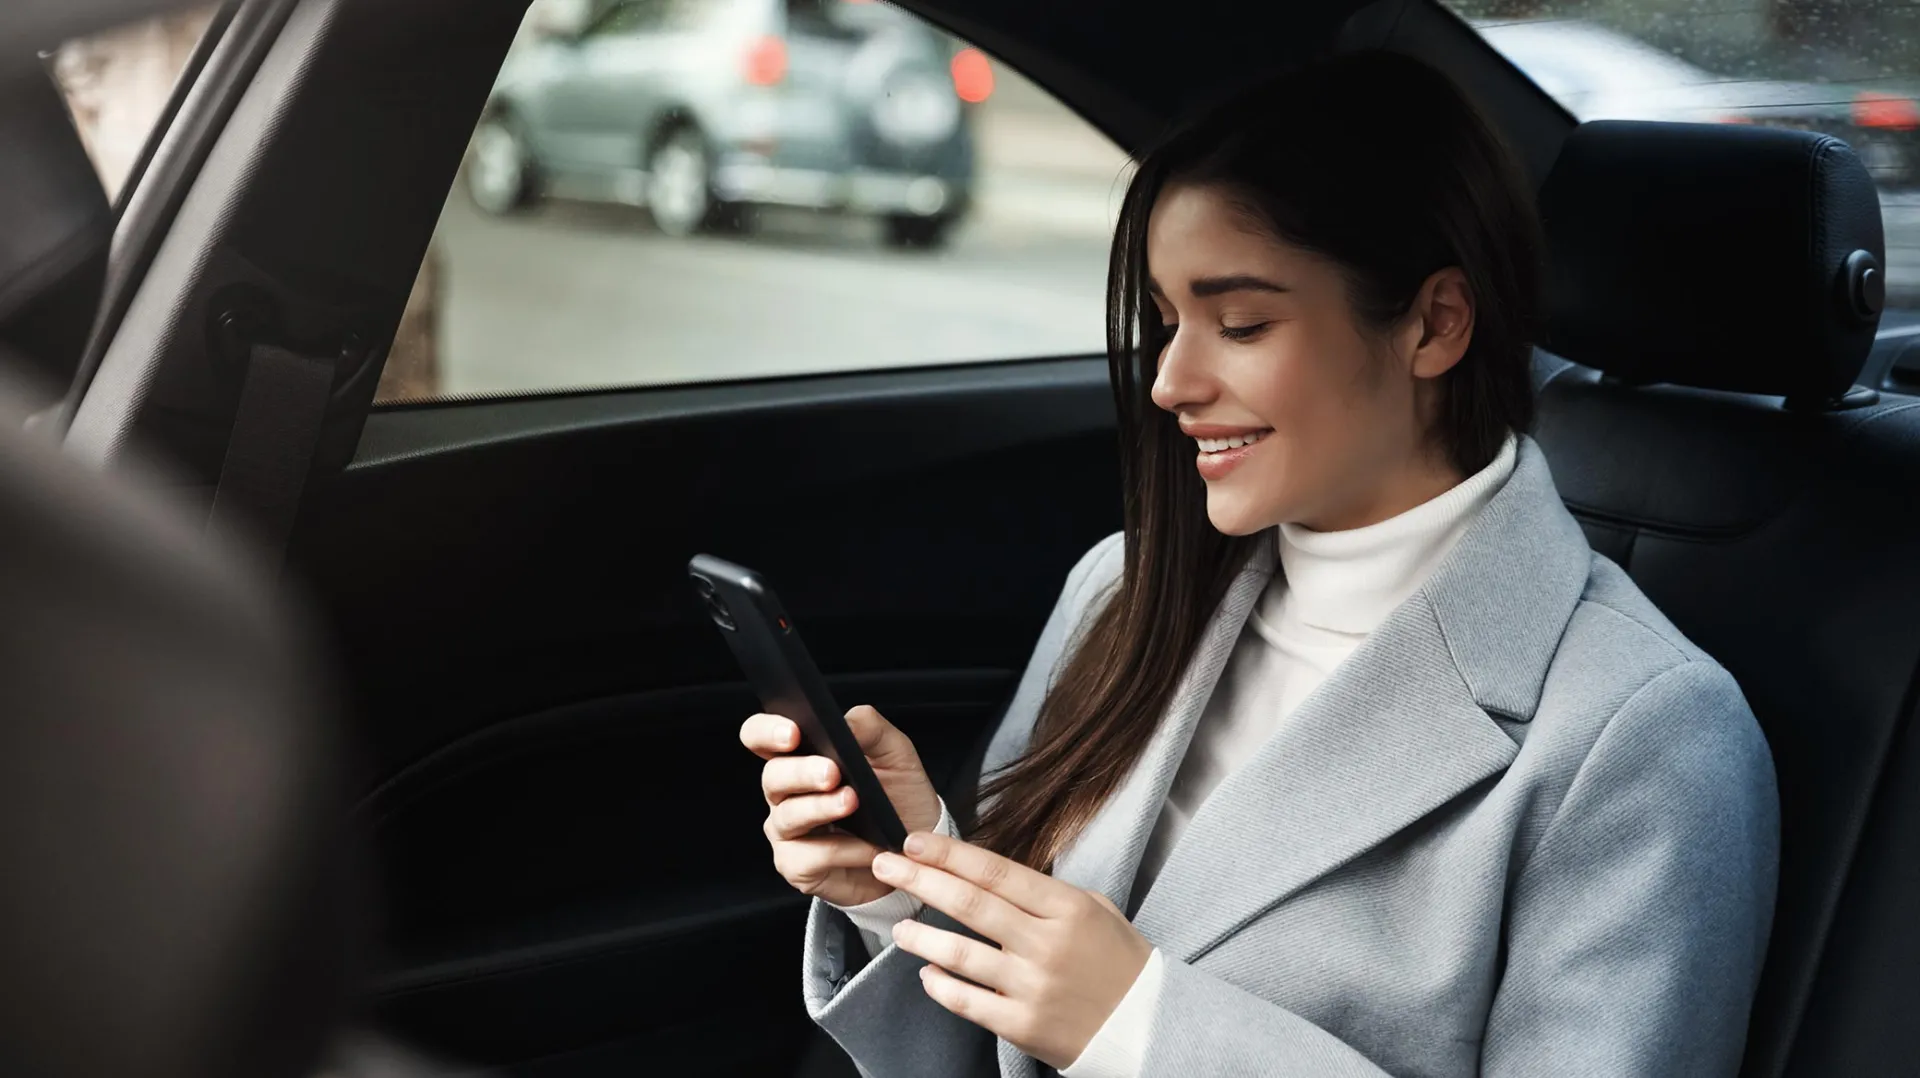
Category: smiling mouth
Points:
column 1221, row 445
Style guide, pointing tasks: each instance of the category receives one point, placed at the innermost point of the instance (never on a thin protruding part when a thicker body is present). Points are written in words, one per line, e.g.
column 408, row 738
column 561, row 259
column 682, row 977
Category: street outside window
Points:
column 673, row 191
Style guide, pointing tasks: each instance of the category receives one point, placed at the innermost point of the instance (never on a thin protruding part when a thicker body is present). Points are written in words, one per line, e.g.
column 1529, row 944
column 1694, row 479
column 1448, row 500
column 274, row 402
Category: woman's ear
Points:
column 1443, row 316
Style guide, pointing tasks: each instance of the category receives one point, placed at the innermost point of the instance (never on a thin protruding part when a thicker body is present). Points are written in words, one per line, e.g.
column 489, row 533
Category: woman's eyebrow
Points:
column 1238, row 282
column 1220, row 286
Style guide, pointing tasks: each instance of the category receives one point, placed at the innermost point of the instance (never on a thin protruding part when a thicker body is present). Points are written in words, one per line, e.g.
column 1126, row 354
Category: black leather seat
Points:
column 1705, row 283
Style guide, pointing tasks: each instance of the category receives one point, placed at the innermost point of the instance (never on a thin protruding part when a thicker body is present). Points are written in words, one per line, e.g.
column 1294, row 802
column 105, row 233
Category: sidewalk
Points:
column 1055, row 141
column 1043, row 168
column 1066, row 206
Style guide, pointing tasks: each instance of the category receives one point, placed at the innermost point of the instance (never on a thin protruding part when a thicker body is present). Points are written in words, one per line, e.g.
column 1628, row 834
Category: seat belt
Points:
column 276, row 429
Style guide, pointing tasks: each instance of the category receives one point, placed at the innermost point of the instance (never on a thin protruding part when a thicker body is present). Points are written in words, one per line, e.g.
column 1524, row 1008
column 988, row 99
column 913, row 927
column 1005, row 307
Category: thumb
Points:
column 880, row 740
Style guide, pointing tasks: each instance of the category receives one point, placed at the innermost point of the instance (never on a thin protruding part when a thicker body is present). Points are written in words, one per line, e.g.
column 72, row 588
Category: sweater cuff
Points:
column 1119, row 1049
column 876, row 919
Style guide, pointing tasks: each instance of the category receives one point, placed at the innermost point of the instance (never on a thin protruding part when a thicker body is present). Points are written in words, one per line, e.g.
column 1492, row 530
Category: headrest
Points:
column 1719, row 256
column 55, row 225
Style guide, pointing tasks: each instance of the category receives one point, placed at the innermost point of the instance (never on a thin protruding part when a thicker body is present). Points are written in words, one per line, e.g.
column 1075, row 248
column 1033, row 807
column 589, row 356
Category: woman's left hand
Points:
column 1066, row 958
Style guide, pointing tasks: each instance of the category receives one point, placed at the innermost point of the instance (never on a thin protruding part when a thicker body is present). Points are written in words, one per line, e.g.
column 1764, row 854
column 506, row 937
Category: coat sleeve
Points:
column 1636, row 928
column 878, row 1013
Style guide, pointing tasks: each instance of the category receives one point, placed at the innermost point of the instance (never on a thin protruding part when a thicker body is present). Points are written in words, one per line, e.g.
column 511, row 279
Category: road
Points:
column 576, row 296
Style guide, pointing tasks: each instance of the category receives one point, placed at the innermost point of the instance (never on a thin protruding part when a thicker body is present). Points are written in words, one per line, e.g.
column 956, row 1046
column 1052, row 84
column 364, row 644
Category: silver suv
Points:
column 701, row 110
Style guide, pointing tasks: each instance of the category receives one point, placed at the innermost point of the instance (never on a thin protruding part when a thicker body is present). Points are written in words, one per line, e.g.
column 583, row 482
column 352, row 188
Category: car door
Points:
column 571, row 876
column 643, row 57
column 585, row 74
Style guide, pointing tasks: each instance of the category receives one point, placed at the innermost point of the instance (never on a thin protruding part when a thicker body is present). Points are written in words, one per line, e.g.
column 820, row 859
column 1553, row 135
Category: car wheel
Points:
column 927, row 233
column 499, row 172
column 680, row 186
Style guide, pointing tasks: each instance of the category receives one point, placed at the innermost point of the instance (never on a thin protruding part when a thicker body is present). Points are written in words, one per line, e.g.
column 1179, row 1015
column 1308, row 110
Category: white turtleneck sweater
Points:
column 1334, row 588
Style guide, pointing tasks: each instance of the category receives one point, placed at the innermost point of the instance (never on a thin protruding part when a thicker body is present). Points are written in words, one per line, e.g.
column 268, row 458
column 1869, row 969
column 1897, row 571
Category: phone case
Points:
column 782, row 673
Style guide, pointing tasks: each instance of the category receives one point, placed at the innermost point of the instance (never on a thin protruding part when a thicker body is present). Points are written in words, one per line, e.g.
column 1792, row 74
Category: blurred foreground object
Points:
column 174, row 876
column 174, row 900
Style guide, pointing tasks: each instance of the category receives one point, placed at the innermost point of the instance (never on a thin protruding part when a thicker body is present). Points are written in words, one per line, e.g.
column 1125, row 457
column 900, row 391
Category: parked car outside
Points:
column 703, row 110
column 1599, row 74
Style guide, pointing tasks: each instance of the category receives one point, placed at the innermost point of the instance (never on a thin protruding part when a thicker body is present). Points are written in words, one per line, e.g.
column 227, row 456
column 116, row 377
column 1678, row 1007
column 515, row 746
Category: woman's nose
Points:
column 1180, row 380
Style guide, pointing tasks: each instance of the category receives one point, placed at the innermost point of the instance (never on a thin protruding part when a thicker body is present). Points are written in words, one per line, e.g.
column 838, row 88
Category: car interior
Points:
column 560, row 870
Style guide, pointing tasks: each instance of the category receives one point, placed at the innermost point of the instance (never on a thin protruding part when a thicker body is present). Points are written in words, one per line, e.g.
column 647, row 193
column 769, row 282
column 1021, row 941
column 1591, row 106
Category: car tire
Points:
column 919, row 233
column 680, row 188
column 500, row 170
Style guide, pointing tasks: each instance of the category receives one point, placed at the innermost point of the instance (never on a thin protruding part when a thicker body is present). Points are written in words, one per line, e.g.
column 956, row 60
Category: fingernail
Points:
column 888, row 867
column 824, row 772
column 916, row 845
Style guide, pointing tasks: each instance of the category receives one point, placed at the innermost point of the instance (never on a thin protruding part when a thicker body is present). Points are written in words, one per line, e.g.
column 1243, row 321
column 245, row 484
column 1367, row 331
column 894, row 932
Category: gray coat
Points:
column 1525, row 829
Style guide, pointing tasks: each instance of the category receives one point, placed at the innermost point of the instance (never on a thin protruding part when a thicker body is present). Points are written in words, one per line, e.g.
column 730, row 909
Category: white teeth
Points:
column 1221, row 445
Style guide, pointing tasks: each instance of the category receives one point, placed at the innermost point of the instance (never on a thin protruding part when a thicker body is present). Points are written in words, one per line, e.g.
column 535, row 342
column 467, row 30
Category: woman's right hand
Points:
column 804, row 795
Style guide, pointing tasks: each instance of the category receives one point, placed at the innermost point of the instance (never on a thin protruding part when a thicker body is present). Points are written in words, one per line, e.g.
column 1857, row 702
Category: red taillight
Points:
column 1886, row 111
column 972, row 75
column 767, row 61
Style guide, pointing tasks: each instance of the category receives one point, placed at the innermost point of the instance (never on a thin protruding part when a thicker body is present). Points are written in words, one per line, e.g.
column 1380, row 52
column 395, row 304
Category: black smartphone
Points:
column 782, row 673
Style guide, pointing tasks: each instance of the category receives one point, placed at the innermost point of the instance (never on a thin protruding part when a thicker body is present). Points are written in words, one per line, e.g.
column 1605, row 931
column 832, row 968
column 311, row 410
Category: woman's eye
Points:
column 1242, row 333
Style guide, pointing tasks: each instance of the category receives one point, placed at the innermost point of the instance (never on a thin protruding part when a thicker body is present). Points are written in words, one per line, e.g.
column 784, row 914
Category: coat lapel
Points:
column 1106, row 855
column 1398, row 730
column 1389, row 737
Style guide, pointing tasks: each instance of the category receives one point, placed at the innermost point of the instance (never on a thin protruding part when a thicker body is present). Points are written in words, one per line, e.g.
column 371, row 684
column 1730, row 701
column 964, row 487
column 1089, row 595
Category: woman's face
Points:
column 1299, row 414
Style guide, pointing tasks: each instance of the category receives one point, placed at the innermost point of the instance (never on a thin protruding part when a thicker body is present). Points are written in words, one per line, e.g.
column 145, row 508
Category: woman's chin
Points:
column 1234, row 516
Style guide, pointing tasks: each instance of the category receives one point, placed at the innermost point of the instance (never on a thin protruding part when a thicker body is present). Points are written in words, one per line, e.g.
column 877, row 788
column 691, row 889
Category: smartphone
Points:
column 782, row 673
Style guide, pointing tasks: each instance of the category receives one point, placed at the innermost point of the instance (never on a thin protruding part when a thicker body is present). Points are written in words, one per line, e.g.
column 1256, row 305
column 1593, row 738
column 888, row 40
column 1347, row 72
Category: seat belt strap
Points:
column 283, row 404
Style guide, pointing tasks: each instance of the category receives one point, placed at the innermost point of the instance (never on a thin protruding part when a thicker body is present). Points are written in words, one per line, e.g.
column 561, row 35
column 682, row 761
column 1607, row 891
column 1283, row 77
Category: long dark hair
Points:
column 1380, row 164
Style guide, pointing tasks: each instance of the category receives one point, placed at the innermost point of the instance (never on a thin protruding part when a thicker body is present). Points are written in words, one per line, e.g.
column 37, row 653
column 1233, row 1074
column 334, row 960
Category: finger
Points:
column 974, row 906
column 1000, row 1015
column 976, row 961
column 810, row 860
column 799, row 815
column 880, row 740
column 770, row 735
column 1034, row 892
column 784, row 776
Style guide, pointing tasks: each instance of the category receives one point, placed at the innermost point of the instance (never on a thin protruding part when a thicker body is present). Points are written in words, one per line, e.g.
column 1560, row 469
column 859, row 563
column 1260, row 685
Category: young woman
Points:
column 1347, row 756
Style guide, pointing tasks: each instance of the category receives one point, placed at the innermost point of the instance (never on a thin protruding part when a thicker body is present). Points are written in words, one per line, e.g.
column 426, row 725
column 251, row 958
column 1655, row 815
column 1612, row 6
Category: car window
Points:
column 117, row 85
column 747, row 205
column 1851, row 70
column 847, row 19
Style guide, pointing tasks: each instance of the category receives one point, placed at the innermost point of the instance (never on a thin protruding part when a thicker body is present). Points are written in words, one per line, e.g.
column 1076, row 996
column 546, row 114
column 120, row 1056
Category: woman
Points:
column 1347, row 756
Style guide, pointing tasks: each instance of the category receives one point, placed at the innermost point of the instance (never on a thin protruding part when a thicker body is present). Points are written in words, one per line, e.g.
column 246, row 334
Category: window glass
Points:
column 790, row 187
column 117, row 84
column 655, row 16
column 624, row 19
column 1849, row 68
